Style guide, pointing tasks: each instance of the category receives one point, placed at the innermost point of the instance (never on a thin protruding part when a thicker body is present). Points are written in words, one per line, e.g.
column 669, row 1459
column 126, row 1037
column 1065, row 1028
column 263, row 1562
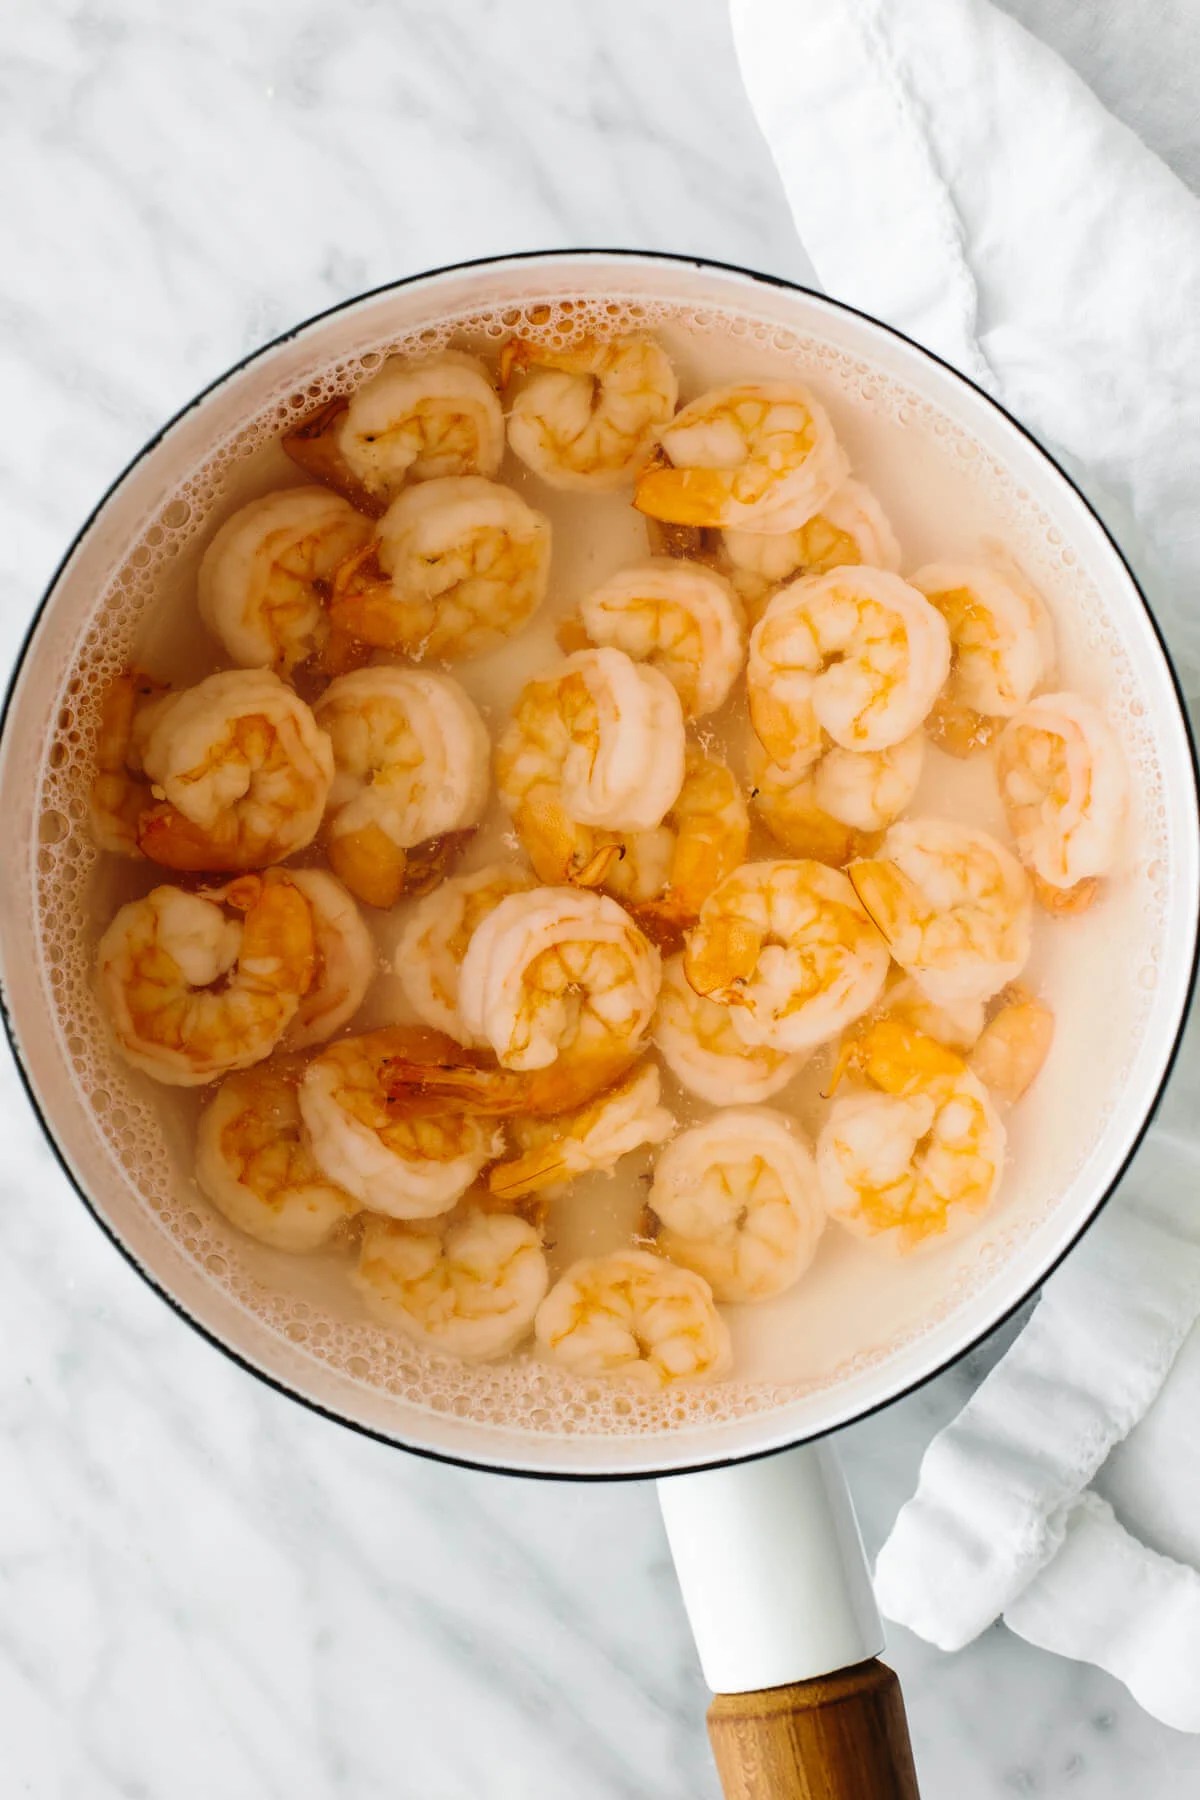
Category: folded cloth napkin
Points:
column 948, row 173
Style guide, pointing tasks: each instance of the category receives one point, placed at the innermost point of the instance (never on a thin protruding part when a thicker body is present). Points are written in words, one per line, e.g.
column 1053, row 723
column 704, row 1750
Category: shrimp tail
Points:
column 313, row 445
column 167, row 836
column 682, row 496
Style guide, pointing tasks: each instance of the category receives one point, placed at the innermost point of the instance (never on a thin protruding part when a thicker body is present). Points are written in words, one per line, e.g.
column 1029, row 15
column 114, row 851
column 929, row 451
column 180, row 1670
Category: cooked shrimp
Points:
column 412, row 421
column 737, row 1201
column 850, row 528
column 916, row 1162
column 264, row 581
column 410, row 754
column 1065, row 792
column 760, row 455
column 635, row 1315
column 587, row 416
column 556, row 973
column 119, row 794
column 254, row 1163
column 592, row 1139
column 598, row 742
column 857, row 653
column 344, row 960
column 1001, row 648
column 193, row 992
column 830, row 809
column 666, row 876
column 1013, row 1045
column 683, row 618
column 958, row 1024
column 700, row 1045
column 230, row 774
column 788, row 948
column 454, row 568
column 409, row 1166
column 430, row 951
column 952, row 904
column 469, row 1287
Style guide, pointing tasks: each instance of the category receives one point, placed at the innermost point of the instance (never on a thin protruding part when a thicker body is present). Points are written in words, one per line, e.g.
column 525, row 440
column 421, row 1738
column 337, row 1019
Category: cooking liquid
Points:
column 854, row 1304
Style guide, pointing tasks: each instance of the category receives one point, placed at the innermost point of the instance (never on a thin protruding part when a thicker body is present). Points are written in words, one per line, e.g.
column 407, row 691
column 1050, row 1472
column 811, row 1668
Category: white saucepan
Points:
column 766, row 1545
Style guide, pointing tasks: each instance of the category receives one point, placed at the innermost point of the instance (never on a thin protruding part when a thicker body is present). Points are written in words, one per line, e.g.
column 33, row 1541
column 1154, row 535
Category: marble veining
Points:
column 204, row 1589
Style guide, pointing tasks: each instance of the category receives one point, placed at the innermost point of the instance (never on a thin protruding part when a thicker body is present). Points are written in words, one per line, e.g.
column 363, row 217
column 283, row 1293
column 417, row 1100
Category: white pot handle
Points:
column 779, row 1596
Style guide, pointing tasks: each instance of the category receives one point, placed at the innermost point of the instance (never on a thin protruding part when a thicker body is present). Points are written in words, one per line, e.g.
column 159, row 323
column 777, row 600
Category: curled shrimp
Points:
column 664, row 876
column 343, row 960
column 265, row 578
column 832, row 809
column 850, row 528
column 952, row 904
column 557, row 973
column 454, row 568
column 1065, row 792
column 1012, row 1048
column 683, row 618
column 789, row 949
column 196, row 985
column 634, row 1315
column 433, row 943
column 915, row 1159
column 230, row 774
column 857, row 654
column 411, row 1166
column 760, row 455
column 254, row 1163
column 958, row 1024
column 591, row 1139
column 700, row 1044
column 412, row 421
column 736, row 1200
column 468, row 1286
column 410, row 756
column 1001, row 649
column 598, row 742
column 587, row 416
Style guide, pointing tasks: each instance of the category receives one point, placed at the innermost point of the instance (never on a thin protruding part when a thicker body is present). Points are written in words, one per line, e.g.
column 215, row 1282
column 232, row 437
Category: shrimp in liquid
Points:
column 454, row 567
column 635, row 1315
column 590, row 1140
column 1065, row 792
column 914, row 1160
column 953, row 905
column 254, row 1164
column 412, row 421
column 831, row 809
column 469, row 1287
column 410, row 754
column 683, row 618
column 407, row 1165
column 587, row 417
column 736, row 1200
column 344, row 960
column 193, row 992
column 700, row 1044
column 228, row 775
column 597, row 743
column 265, row 580
column 1001, row 649
column 559, row 974
column 759, row 455
column 857, row 654
column 429, row 955
column 788, row 948
column 850, row 528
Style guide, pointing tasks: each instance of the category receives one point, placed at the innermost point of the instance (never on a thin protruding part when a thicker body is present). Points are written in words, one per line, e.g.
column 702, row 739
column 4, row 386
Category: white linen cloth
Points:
column 949, row 174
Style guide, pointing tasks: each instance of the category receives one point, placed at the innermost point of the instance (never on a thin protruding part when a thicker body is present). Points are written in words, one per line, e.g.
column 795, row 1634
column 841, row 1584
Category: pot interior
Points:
column 954, row 474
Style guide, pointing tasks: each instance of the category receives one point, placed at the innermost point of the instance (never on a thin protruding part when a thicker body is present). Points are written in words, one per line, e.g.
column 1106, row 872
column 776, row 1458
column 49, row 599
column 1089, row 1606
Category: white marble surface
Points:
column 203, row 1589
